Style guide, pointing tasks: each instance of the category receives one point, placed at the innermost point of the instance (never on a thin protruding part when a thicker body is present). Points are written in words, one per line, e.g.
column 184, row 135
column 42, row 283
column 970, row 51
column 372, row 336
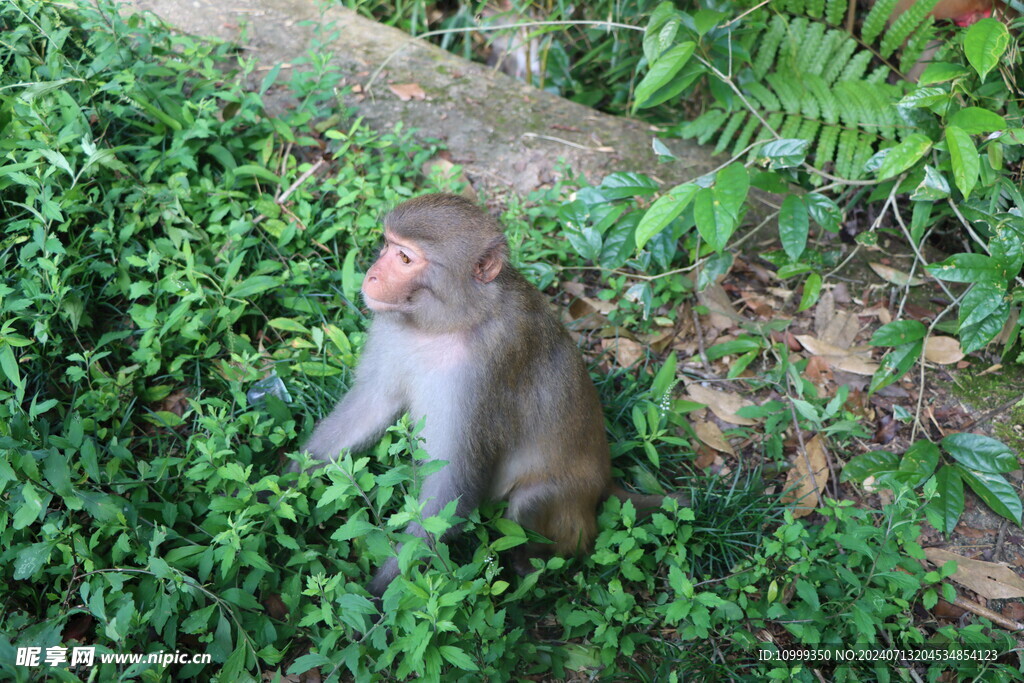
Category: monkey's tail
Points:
column 646, row 503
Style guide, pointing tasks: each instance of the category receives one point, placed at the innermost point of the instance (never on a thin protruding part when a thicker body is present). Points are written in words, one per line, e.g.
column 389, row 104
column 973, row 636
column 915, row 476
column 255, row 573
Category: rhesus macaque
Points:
column 461, row 338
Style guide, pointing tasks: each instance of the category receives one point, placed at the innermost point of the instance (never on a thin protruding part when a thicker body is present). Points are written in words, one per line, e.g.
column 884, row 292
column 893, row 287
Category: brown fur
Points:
column 508, row 403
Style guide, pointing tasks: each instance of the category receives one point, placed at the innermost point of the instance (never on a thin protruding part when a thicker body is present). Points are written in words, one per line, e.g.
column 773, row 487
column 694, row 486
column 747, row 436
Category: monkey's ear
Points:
column 492, row 261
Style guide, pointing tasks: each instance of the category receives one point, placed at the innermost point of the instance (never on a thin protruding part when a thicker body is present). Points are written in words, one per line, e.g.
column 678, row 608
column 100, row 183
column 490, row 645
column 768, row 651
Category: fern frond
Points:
column 835, row 12
column 764, row 96
column 824, row 97
column 848, row 141
column 770, row 42
column 840, row 59
column 854, row 69
column 874, row 22
column 704, row 126
column 787, row 87
column 917, row 44
column 745, row 136
column 825, row 153
column 788, row 49
column 809, row 51
column 863, row 151
column 730, row 129
column 904, row 25
column 815, row 8
column 791, row 127
column 808, row 129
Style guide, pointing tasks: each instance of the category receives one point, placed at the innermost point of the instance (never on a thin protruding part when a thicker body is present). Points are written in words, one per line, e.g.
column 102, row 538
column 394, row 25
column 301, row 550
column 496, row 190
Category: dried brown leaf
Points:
column 724, row 404
column 805, row 490
column 992, row 580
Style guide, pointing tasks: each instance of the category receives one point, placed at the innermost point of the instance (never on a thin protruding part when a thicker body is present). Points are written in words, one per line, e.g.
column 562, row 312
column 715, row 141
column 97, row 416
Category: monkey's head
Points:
column 438, row 269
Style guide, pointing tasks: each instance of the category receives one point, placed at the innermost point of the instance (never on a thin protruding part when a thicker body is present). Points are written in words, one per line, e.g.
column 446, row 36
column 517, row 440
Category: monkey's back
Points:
column 541, row 402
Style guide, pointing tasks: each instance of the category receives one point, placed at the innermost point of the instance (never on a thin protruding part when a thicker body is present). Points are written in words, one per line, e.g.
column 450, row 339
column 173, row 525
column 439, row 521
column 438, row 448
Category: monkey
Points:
column 459, row 337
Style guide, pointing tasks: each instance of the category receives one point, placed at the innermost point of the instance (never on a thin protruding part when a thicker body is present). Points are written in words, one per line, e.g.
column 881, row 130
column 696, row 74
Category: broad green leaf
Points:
column 258, row 172
column 458, row 658
column 626, row 185
column 663, row 211
column 997, row 493
column 784, row 153
column 975, row 336
column 812, row 290
column 980, row 453
column 919, row 462
column 976, row 121
column 28, row 560
column 873, row 463
column 984, row 299
column 9, row 365
column 904, row 155
column 824, row 211
column 895, row 364
column 985, row 43
column 666, row 375
column 948, row 503
column 899, row 332
column 662, row 71
column 351, row 281
column 941, row 72
column 969, row 268
column 732, row 184
column 661, row 30
column 964, row 157
column 793, row 226
column 289, row 325
column 932, row 187
column 253, row 286
column 714, row 226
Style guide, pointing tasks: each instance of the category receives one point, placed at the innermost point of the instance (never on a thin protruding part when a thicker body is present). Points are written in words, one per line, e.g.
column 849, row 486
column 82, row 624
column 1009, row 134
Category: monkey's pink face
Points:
column 395, row 275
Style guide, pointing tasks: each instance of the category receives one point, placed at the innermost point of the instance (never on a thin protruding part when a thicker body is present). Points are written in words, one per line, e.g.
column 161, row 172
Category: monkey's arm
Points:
column 373, row 403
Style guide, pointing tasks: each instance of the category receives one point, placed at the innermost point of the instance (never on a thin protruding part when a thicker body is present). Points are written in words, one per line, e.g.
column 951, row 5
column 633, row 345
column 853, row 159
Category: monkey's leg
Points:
column 570, row 523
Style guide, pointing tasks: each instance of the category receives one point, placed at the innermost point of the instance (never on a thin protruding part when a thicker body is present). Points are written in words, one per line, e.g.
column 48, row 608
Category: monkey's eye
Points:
column 405, row 259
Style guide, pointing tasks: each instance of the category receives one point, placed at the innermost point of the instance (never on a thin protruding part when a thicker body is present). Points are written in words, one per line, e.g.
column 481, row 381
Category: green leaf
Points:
column 351, row 282
column 970, row 268
column 9, row 365
column 980, row 453
column 904, row 155
column 932, row 187
column 28, row 560
column 948, row 503
column 895, row 364
column 977, row 121
column 627, row 185
column 985, row 43
column 663, row 211
column 732, row 184
column 793, row 226
column 997, row 493
column 824, row 211
column 289, row 325
column 29, row 510
column 860, row 467
column 665, row 377
column 899, row 332
column 458, row 658
column 964, row 157
column 661, row 30
column 785, row 153
column 662, row 71
column 254, row 285
column 919, row 462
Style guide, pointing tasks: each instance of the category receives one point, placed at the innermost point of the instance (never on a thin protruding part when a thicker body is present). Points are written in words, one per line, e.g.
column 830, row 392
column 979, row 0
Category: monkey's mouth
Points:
column 378, row 306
